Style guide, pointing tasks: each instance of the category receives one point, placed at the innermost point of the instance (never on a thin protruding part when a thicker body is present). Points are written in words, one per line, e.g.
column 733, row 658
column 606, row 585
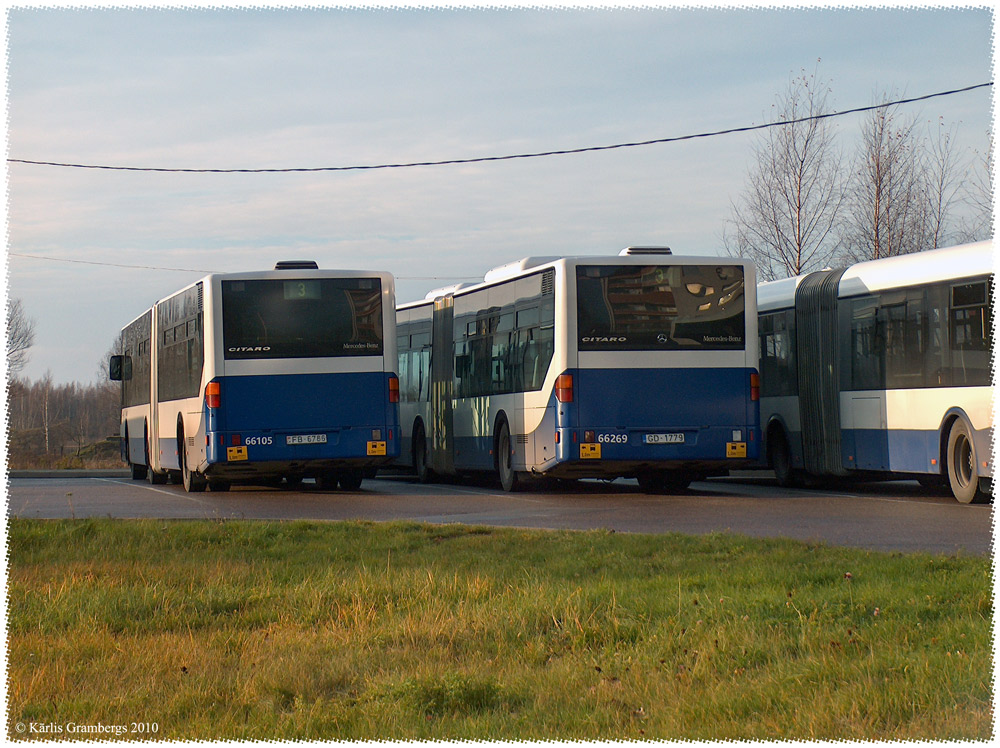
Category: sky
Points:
column 251, row 88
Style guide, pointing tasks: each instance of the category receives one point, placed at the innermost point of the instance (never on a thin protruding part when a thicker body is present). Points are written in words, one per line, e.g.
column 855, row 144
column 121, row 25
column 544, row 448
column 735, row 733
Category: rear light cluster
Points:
column 213, row 395
column 564, row 388
column 755, row 386
column 393, row 390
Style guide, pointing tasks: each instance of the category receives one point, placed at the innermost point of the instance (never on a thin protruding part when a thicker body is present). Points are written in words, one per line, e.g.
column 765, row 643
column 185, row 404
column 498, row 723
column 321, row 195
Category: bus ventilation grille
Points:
column 548, row 283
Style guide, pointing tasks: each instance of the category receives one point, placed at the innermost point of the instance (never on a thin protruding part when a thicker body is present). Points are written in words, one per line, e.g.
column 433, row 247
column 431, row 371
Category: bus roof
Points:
column 917, row 268
column 278, row 275
column 778, row 294
column 528, row 265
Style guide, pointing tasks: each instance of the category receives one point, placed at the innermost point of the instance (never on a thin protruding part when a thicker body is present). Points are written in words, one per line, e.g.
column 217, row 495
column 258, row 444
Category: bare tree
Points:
column 20, row 337
column 786, row 217
column 888, row 209
column 941, row 183
column 978, row 196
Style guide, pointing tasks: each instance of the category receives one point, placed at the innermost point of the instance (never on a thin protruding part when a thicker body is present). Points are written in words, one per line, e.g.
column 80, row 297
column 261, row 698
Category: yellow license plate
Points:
column 590, row 451
column 234, row 454
column 736, row 449
column 376, row 448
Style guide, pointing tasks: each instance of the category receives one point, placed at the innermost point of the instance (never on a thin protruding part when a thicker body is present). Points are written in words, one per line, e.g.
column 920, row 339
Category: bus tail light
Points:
column 564, row 388
column 393, row 390
column 213, row 395
column 755, row 386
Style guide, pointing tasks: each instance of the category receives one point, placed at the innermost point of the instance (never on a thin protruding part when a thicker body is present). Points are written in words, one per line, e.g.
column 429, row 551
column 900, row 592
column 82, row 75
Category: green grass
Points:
column 253, row 630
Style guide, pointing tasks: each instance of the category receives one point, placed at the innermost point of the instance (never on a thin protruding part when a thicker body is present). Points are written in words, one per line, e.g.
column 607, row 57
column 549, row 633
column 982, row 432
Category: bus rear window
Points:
column 660, row 307
column 302, row 318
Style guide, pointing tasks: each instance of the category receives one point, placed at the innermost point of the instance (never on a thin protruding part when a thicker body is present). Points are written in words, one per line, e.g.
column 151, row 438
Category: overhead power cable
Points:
column 108, row 264
column 483, row 159
column 207, row 272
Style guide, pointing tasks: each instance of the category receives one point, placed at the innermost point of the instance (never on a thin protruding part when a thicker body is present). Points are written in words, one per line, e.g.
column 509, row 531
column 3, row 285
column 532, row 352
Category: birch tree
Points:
column 20, row 337
column 902, row 188
column 786, row 218
column 978, row 197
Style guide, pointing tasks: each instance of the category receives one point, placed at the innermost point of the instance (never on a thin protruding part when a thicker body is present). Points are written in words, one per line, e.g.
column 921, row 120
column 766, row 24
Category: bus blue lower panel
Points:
column 905, row 451
column 298, row 420
column 647, row 419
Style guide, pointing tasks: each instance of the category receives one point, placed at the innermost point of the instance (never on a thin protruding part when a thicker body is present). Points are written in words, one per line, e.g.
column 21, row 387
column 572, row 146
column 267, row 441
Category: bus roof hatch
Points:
column 644, row 251
column 296, row 265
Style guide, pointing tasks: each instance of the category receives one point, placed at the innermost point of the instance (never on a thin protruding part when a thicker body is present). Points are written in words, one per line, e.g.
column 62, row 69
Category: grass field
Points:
column 240, row 630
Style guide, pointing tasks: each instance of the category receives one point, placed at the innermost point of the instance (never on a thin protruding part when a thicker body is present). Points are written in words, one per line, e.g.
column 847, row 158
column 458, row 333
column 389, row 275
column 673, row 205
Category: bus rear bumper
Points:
column 243, row 456
column 574, row 469
column 295, row 469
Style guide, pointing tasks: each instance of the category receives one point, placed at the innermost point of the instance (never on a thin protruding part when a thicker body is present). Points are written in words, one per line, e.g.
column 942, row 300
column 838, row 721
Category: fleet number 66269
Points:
column 612, row 438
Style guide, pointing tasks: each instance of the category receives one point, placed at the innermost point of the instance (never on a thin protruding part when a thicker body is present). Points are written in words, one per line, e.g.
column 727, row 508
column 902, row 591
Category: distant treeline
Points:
column 62, row 425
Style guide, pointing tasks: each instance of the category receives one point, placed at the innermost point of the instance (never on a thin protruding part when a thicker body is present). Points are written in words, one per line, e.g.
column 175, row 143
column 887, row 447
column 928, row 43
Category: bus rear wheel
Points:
column 157, row 479
column 509, row 479
column 663, row 482
column 138, row 472
column 962, row 474
column 193, row 482
column 350, row 479
column 780, row 457
column 420, row 466
column 327, row 481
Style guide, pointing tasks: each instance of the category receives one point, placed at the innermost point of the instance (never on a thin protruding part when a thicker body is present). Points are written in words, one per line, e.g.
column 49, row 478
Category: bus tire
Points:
column 933, row 483
column 157, row 479
column 961, row 456
column 509, row 480
column 420, row 466
column 350, row 479
column 193, row 482
column 780, row 457
column 650, row 482
column 138, row 472
column 664, row 481
column 328, row 480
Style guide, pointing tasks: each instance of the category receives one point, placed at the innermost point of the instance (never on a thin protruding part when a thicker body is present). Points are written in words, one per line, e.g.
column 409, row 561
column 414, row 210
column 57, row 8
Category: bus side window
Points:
column 777, row 354
column 403, row 356
column 462, row 369
column 970, row 331
column 424, row 374
column 867, row 346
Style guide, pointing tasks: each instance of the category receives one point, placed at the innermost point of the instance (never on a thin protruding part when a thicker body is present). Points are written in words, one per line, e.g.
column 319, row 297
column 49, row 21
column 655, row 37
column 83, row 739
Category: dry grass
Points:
column 363, row 631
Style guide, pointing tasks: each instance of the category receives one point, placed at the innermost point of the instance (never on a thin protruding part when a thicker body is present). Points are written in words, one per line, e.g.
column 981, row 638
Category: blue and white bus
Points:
column 263, row 377
column 882, row 369
column 638, row 365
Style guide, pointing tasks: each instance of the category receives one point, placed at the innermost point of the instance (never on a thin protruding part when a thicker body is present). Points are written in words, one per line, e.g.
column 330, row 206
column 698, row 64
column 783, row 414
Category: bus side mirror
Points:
column 120, row 368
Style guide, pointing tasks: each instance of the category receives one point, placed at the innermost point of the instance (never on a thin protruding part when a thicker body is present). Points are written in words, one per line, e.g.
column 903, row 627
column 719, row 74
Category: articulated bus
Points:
column 882, row 370
column 640, row 365
column 263, row 377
